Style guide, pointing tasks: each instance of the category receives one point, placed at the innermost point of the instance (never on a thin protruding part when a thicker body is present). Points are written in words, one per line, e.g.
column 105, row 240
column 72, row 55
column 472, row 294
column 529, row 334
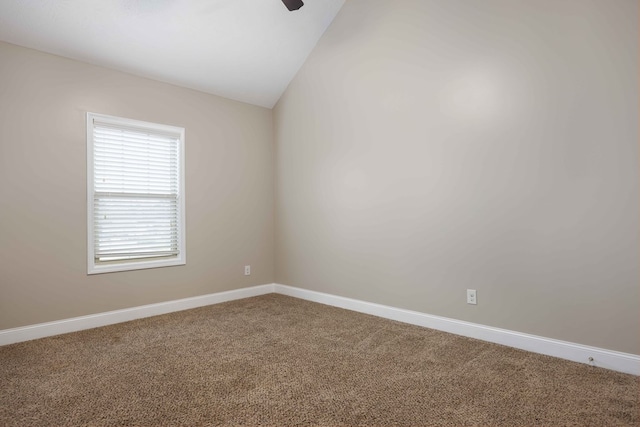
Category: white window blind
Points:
column 136, row 201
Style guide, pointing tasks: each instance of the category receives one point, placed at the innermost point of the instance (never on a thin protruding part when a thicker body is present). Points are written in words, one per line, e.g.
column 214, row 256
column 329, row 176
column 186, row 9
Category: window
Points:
column 135, row 194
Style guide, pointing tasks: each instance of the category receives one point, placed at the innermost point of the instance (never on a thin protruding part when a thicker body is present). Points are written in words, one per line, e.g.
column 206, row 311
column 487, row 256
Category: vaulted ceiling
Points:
column 247, row 50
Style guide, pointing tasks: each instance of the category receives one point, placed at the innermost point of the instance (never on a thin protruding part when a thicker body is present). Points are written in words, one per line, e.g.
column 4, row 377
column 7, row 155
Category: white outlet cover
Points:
column 471, row 296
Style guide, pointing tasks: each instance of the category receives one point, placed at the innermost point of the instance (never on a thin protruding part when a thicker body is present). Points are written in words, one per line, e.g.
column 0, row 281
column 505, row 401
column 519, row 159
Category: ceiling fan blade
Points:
column 293, row 4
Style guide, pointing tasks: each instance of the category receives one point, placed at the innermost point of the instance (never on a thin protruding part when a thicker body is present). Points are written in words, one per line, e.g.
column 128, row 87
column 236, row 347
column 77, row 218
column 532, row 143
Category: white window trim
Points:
column 181, row 258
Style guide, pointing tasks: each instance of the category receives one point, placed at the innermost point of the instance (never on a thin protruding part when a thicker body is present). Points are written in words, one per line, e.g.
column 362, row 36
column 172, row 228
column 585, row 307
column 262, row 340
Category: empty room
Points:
column 319, row 212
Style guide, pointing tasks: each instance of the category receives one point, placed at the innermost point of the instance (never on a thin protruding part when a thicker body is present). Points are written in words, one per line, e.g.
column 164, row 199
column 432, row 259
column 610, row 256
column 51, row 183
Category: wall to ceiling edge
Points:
column 430, row 147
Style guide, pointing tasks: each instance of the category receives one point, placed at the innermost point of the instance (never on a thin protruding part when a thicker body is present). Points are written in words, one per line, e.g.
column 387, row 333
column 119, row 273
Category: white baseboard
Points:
column 41, row 330
column 614, row 360
column 617, row 361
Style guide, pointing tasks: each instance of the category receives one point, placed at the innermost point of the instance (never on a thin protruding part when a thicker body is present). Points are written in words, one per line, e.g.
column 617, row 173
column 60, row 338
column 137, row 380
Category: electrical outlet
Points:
column 247, row 270
column 471, row 296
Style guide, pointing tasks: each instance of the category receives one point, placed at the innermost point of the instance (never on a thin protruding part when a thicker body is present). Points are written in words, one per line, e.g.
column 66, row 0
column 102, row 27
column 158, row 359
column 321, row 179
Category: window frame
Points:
column 94, row 267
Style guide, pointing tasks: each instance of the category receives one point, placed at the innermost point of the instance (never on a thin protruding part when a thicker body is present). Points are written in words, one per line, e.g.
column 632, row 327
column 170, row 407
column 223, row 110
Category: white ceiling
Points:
column 248, row 50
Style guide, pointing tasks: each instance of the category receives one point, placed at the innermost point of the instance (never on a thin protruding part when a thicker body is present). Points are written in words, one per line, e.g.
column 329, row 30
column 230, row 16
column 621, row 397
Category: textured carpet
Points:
column 279, row 361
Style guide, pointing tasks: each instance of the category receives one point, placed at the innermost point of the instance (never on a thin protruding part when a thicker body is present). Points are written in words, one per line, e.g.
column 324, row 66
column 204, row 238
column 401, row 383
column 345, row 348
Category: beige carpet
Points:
column 279, row 361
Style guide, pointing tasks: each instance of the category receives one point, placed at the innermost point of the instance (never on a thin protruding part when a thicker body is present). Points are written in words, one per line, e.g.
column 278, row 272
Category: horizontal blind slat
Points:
column 132, row 196
column 135, row 153
column 134, row 254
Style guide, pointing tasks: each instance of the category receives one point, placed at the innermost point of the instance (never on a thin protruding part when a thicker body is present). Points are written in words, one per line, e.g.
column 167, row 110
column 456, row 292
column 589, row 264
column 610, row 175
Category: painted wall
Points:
column 229, row 189
column 428, row 146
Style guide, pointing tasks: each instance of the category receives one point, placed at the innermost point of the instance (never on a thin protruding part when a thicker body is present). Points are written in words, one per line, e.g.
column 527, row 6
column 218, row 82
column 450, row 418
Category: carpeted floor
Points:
column 279, row 361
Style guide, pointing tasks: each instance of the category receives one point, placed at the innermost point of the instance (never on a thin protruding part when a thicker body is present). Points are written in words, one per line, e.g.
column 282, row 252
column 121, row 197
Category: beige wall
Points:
column 427, row 147
column 229, row 189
